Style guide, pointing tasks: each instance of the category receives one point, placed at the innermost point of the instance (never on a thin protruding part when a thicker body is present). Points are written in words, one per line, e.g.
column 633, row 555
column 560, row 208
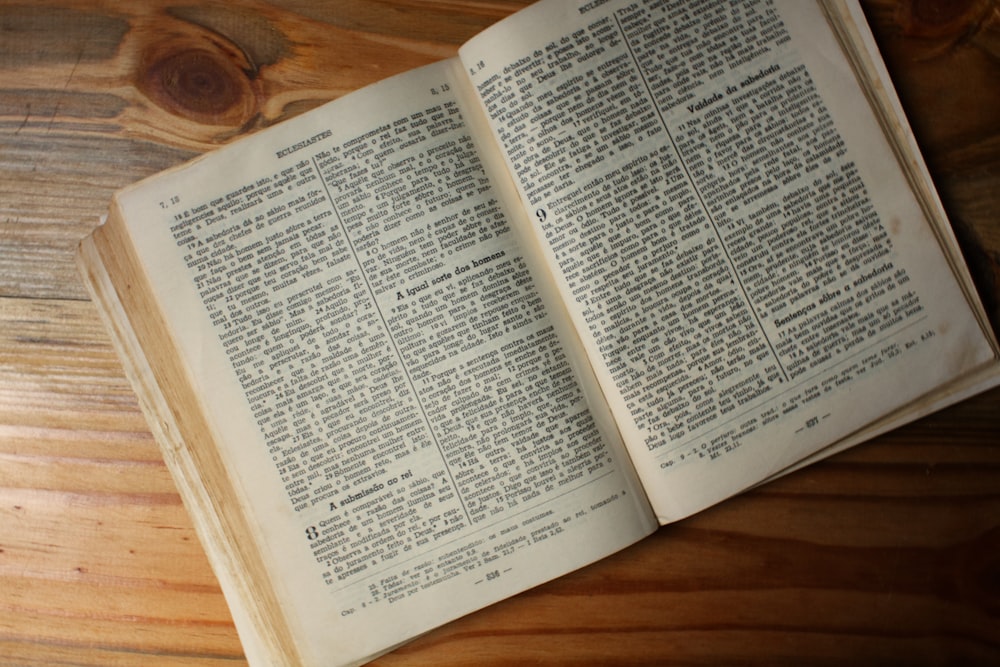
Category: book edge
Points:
column 262, row 643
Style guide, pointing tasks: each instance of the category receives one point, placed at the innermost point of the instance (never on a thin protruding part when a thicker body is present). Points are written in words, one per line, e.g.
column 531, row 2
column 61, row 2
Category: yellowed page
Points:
column 749, row 269
column 383, row 383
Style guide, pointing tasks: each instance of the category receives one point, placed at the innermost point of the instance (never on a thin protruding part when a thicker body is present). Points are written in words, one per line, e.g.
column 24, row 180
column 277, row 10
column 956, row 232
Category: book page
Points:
column 379, row 372
column 745, row 260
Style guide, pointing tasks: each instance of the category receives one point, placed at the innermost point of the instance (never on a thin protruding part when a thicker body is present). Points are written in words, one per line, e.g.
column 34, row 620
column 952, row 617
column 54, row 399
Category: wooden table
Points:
column 887, row 554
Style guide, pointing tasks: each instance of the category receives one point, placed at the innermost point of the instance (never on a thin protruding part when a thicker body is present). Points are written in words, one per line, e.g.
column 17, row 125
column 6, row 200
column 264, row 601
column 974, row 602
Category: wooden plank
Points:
column 79, row 114
column 94, row 96
column 943, row 59
column 97, row 554
column 886, row 554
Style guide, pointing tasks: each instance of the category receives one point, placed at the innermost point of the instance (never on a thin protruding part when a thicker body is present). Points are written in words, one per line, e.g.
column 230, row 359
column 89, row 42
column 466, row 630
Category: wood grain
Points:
column 888, row 554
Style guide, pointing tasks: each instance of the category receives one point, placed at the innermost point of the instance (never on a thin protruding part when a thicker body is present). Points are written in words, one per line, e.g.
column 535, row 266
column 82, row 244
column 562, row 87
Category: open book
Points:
column 483, row 323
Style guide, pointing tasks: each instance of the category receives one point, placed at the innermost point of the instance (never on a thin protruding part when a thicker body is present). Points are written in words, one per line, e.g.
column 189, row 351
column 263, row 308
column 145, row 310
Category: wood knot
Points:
column 210, row 86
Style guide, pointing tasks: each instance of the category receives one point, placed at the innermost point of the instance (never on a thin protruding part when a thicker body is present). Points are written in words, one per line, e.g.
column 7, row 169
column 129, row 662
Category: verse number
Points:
column 175, row 199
